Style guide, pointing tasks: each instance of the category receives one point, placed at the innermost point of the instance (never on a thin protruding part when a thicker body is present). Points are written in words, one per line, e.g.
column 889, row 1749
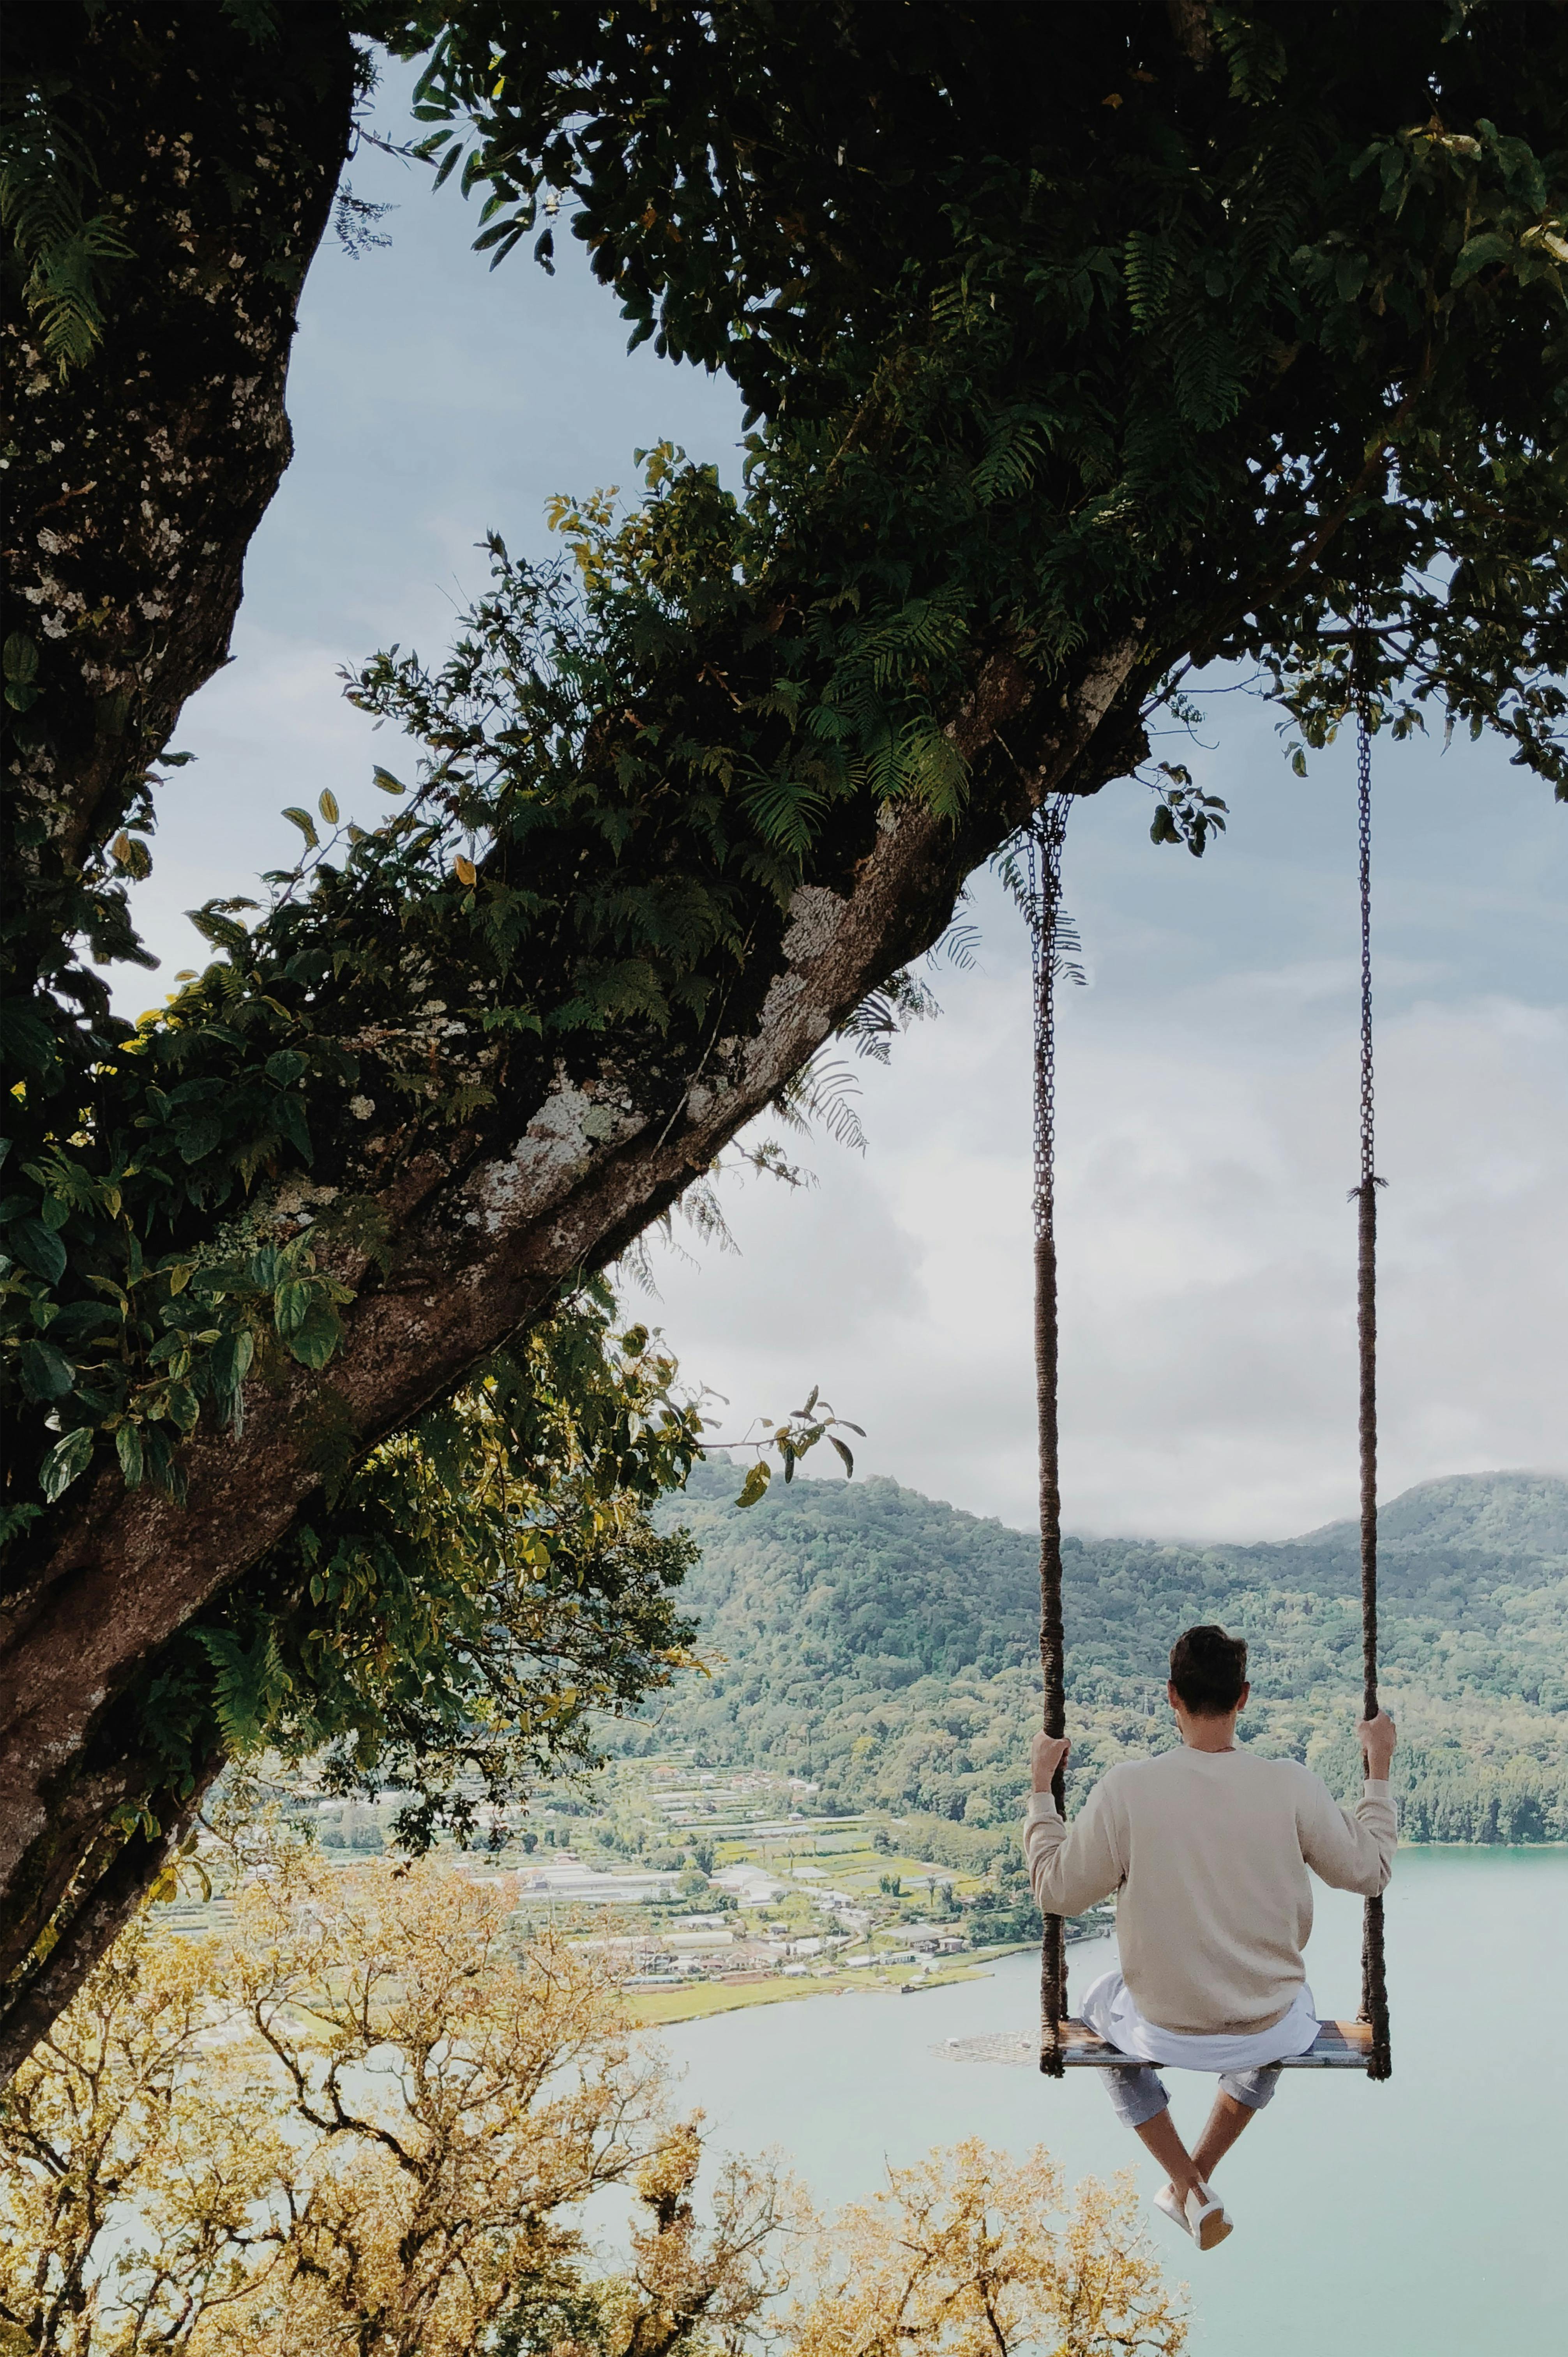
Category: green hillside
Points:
column 886, row 1644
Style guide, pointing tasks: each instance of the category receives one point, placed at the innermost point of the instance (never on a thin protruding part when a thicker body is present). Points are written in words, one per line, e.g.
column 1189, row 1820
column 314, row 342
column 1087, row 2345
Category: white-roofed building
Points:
column 748, row 1883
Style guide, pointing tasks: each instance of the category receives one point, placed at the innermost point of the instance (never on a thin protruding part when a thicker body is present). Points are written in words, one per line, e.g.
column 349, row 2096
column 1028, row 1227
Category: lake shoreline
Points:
column 707, row 2000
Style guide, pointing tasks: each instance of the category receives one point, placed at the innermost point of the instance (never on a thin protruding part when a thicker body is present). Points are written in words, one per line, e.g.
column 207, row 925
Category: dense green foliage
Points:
column 1054, row 343
column 887, row 1645
column 454, row 1608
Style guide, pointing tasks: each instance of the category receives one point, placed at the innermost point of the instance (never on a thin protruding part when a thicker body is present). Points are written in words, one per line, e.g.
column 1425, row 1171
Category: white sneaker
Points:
column 1203, row 2217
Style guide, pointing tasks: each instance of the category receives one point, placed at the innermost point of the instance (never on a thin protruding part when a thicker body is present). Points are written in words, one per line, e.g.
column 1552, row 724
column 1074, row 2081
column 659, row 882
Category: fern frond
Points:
column 823, row 1092
column 1067, row 944
column 1018, row 442
column 876, row 1022
column 785, row 810
column 957, row 947
column 45, row 170
column 1204, row 371
column 931, row 766
column 249, row 1687
column 1148, row 266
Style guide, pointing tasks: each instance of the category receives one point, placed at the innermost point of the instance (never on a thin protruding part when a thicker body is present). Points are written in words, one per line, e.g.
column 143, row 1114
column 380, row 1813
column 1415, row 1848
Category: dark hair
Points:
column 1208, row 1670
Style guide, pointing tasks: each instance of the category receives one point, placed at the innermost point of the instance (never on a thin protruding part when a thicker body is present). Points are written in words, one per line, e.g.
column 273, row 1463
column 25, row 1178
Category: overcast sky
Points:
column 1207, row 1091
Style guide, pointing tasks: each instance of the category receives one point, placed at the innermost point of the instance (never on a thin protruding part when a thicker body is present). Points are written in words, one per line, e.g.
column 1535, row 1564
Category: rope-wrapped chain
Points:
column 1374, row 1983
column 1044, row 870
column 1045, row 858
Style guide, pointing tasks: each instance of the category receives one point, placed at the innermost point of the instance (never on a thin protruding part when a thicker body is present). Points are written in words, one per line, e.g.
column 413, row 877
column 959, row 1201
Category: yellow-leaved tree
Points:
column 970, row 2255
column 366, row 2120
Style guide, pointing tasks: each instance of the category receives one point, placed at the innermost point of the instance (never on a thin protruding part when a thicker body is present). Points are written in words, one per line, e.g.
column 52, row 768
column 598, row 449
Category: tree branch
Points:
column 485, row 1234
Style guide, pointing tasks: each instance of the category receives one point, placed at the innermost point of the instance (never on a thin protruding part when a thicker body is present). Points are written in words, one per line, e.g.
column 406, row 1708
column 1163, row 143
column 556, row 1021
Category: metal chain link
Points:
column 1044, row 855
column 1045, row 840
column 1363, row 691
column 1374, row 1977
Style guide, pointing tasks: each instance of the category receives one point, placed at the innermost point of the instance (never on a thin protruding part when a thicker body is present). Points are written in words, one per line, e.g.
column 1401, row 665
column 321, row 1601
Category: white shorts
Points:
column 1109, row 2010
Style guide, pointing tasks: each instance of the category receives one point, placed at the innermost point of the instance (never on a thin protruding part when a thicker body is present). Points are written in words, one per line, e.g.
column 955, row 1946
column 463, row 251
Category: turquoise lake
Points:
column 1423, row 2218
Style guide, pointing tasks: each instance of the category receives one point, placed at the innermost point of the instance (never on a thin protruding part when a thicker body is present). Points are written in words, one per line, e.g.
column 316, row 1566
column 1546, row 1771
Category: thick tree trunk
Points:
column 482, row 1238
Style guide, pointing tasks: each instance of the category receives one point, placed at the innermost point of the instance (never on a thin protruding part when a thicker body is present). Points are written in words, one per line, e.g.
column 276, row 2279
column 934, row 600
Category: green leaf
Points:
column 196, row 1138
column 128, row 1443
column 231, row 1361
column 45, row 1374
column 289, row 1115
column 65, row 1461
column 755, row 1484
column 291, row 1304
column 326, row 803
column 387, row 783
column 318, row 1335
column 844, row 1453
column 54, row 1212
column 21, row 658
column 184, row 1407
column 248, row 1686
column 39, row 1248
column 286, row 1066
column 1477, row 251
column 223, row 932
column 305, row 824
column 21, row 670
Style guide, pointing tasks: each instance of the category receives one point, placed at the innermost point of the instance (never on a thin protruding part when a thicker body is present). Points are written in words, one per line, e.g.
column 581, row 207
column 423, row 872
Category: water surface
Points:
column 1423, row 2218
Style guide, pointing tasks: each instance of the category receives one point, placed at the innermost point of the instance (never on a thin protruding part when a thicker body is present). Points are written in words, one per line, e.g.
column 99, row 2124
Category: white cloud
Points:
column 1207, row 1249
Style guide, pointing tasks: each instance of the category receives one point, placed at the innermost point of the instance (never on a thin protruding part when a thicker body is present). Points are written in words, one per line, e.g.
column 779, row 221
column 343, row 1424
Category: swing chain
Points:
column 1044, row 855
column 1363, row 698
column 1374, row 1979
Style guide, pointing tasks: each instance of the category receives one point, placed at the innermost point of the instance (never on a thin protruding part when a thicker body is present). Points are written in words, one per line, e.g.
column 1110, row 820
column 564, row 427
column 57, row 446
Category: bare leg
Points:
column 1224, row 2124
column 1159, row 2138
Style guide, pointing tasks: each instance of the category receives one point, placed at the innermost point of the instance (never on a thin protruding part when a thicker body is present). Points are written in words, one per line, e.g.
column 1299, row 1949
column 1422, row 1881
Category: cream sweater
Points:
column 1210, row 1851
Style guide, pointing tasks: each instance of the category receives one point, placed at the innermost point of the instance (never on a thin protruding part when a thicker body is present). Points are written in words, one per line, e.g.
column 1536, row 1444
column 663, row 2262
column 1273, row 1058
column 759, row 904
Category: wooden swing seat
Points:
column 1339, row 2046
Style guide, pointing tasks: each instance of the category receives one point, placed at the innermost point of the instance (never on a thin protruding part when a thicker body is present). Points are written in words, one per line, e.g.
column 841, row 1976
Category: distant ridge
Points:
column 886, row 1644
column 1510, row 1513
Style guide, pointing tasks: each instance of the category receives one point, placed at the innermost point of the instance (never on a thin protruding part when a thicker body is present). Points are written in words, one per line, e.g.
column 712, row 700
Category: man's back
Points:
column 1210, row 1852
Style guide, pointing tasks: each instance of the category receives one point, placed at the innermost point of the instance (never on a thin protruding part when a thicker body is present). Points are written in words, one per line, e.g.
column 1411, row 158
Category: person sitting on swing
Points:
column 1208, row 1845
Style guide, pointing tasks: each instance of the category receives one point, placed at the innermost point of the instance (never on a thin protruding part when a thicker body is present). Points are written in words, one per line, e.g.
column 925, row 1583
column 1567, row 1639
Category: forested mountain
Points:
column 886, row 1643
